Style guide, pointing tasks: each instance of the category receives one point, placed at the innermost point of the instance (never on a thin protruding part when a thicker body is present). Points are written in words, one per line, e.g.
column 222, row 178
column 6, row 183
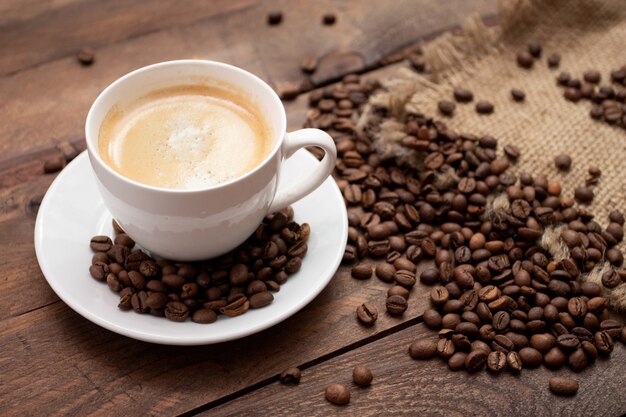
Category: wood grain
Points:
column 39, row 32
column 404, row 387
column 49, row 101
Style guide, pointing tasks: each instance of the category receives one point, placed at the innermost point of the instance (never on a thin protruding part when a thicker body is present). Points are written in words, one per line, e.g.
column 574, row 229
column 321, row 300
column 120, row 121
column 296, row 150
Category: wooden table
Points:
column 54, row 362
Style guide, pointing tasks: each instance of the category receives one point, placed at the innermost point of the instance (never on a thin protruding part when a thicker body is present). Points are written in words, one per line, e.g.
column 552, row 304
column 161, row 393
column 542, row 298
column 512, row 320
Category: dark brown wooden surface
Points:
column 54, row 362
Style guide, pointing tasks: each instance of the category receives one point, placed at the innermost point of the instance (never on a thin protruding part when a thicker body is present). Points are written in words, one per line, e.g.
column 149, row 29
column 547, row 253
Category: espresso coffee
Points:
column 185, row 137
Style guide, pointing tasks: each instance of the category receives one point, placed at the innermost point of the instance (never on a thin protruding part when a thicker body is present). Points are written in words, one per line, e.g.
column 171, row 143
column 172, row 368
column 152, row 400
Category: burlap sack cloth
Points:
column 589, row 34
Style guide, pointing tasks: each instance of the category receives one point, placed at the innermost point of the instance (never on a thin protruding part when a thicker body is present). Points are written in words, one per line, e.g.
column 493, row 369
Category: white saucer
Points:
column 72, row 212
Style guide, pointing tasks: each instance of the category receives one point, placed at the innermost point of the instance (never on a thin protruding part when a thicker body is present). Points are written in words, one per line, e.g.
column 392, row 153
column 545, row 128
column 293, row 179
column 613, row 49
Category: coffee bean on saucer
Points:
column 362, row 375
column 204, row 316
column 101, row 243
column 290, row 376
column 176, row 311
column 261, row 299
column 337, row 394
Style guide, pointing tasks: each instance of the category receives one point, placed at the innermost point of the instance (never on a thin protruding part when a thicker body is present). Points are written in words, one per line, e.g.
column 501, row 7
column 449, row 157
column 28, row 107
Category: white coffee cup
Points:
column 198, row 224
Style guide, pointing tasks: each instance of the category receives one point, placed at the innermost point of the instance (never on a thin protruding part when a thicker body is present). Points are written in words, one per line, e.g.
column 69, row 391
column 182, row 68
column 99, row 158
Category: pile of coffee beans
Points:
column 231, row 284
column 608, row 100
column 500, row 300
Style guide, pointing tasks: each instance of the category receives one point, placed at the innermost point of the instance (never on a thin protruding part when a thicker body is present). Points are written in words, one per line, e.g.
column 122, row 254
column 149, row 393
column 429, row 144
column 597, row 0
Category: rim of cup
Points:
column 110, row 89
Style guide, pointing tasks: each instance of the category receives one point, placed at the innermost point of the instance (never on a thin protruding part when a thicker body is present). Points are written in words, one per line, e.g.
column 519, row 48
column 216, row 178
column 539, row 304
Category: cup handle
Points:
column 293, row 142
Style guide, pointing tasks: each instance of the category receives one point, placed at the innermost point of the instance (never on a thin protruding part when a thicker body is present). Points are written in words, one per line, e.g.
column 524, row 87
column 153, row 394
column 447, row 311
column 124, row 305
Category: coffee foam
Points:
column 185, row 137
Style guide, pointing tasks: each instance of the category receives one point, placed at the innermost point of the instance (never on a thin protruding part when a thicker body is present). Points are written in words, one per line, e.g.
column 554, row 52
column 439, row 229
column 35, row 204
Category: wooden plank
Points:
column 404, row 387
column 50, row 101
column 39, row 32
column 53, row 359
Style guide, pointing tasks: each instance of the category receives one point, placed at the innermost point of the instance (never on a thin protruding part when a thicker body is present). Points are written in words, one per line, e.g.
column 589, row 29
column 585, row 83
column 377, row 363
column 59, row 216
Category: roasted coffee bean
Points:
column 238, row 305
column 439, row 295
column 542, row 342
column 513, row 362
column 429, row 276
column 501, row 320
column 476, row 360
column 137, row 280
column 577, row 360
column 423, row 349
column 502, row 344
column 525, row 60
column 568, row 342
column 456, row 362
column 396, row 305
column 445, row 348
column 361, row 271
column 261, row 299
column 100, row 243
column 583, row 194
column 611, row 279
column 612, row 327
column 603, row 342
column 405, row 278
column 463, row 95
column 555, row 358
column 554, row 60
column 518, row 95
column 446, row 107
column 534, row 48
column 176, row 311
column 432, row 319
column 577, row 307
column 204, row 316
column 367, row 313
column 362, row 375
column 496, row 361
column 592, row 76
column 157, row 300
column 563, row 386
column 530, row 357
column 139, row 302
column 398, row 290
column 99, row 270
column 290, row 376
column 337, row 394
column 484, row 107
column 563, row 162
column 274, row 18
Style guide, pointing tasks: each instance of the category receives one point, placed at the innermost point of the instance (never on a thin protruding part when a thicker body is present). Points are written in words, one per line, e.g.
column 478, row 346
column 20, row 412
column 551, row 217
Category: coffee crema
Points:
column 185, row 137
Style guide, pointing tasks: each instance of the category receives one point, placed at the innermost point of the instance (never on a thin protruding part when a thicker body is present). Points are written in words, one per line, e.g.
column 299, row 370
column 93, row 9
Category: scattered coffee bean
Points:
column 329, row 19
column 563, row 385
column 484, row 107
column 290, row 376
column 362, row 375
column 86, row 57
column 518, row 95
column 362, row 271
column 308, row 65
column 534, row 48
column 554, row 60
column 463, row 95
column 274, row 18
column 563, row 162
column 367, row 313
column 423, row 349
column 338, row 394
column 396, row 305
column 525, row 60
column 592, row 76
column 583, row 194
column 446, row 107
